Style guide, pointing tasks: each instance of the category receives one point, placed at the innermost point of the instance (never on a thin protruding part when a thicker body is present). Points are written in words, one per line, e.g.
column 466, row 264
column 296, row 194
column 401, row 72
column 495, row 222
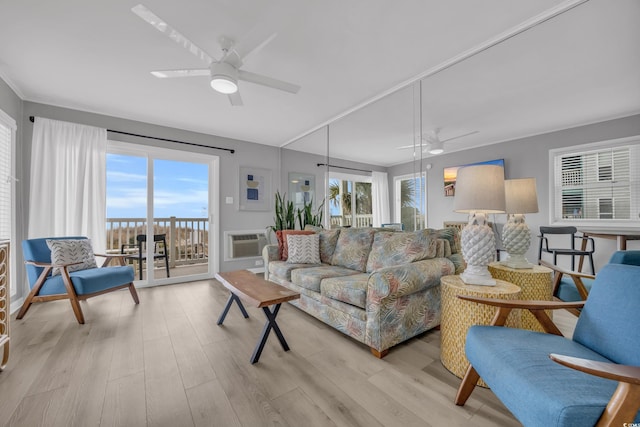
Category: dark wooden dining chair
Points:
column 586, row 247
column 160, row 250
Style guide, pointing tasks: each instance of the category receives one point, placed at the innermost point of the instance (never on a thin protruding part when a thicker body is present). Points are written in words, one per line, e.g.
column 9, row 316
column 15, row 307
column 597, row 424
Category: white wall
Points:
column 523, row 158
column 526, row 157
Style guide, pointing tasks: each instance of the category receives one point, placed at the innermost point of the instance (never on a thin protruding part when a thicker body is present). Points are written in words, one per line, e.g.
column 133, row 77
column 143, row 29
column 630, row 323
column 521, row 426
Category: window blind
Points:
column 7, row 182
column 601, row 183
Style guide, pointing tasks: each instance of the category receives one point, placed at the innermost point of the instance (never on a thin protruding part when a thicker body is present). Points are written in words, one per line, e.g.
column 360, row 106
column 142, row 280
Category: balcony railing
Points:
column 362, row 220
column 187, row 238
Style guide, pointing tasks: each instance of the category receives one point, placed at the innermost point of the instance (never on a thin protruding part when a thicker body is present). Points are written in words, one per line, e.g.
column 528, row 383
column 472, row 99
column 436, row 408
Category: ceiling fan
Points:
column 435, row 145
column 224, row 72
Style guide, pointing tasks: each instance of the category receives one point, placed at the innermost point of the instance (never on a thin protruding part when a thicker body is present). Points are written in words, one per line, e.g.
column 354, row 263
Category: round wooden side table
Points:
column 536, row 284
column 458, row 315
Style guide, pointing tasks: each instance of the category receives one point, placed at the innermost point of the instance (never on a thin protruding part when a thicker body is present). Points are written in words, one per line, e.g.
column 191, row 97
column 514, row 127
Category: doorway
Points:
column 160, row 209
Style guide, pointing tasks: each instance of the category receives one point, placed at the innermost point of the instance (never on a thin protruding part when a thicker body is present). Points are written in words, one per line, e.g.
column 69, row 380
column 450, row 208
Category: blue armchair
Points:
column 547, row 380
column 575, row 286
column 71, row 283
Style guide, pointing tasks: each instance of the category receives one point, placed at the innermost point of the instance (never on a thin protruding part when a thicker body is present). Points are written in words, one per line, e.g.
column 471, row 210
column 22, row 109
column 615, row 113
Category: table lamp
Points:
column 479, row 191
column 521, row 198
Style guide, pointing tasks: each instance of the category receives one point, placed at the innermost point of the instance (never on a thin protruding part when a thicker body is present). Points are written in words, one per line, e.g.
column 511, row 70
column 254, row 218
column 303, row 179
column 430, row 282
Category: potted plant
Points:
column 284, row 214
column 307, row 217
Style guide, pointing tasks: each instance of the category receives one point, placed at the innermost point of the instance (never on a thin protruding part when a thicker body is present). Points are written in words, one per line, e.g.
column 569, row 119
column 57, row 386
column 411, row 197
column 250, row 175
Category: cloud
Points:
column 164, row 198
column 193, row 181
column 114, row 176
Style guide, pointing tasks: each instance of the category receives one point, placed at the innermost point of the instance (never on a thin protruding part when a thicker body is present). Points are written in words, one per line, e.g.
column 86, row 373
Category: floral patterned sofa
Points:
column 378, row 286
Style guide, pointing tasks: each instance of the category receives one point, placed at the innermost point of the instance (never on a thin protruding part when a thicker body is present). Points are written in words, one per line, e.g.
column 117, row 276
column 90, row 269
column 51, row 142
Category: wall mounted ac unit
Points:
column 245, row 244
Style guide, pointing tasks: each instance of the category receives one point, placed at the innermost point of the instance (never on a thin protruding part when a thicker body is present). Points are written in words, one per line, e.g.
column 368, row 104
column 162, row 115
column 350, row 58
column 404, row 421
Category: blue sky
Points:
column 180, row 188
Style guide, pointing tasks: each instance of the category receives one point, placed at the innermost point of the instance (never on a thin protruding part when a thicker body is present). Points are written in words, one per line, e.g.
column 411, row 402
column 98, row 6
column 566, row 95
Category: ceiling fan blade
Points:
column 160, row 25
column 407, row 147
column 460, row 136
column 250, row 46
column 163, row 74
column 235, row 99
column 267, row 81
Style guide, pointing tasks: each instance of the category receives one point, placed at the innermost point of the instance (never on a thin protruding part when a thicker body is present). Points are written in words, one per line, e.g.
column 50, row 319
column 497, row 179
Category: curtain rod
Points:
column 231, row 150
column 344, row 167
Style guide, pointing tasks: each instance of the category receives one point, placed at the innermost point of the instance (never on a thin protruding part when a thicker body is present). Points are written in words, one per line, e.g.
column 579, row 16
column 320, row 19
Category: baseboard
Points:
column 15, row 305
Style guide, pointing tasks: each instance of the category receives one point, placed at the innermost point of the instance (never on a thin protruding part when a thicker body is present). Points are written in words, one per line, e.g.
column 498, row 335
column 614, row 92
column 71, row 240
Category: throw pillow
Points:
column 285, row 244
column 68, row 251
column 280, row 240
column 304, row 249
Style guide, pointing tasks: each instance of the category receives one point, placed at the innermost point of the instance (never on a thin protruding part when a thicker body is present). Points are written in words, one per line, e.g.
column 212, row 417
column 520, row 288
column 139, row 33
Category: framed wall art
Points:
column 451, row 173
column 301, row 189
column 255, row 189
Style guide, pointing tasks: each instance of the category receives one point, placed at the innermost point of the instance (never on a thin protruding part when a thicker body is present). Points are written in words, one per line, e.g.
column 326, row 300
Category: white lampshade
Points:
column 224, row 78
column 521, row 196
column 480, row 188
column 479, row 191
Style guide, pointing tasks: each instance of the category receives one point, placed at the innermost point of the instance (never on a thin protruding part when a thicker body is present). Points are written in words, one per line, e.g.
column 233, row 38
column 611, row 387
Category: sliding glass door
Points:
column 159, row 209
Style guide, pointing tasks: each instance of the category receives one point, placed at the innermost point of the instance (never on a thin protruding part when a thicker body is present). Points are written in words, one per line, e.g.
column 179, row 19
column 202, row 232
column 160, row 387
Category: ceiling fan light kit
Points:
column 224, row 78
column 226, row 71
column 436, row 147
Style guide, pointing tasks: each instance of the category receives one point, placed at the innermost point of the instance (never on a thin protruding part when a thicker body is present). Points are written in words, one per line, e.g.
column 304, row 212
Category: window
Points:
column 596, row 184
column 410, row 201
column 350, row 200
column 7, row 180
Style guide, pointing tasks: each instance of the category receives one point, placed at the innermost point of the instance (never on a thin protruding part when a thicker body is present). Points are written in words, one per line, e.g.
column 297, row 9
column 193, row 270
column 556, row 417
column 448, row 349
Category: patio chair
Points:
column 65, row 268
column 160, row 250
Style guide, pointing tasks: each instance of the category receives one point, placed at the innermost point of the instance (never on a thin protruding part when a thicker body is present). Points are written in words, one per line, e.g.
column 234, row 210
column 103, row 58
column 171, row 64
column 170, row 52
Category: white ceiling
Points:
column 578, row 67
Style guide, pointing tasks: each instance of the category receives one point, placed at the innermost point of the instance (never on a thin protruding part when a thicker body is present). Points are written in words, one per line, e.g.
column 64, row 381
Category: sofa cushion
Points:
column 349, row 289
column 458, row 262
column 352, row 250
column 90, row 280
column 328, row 241
column 396, row 248
column 283, row 269
column 310, row 278
column 515, row 364
column 451, row 234
column 303, row 249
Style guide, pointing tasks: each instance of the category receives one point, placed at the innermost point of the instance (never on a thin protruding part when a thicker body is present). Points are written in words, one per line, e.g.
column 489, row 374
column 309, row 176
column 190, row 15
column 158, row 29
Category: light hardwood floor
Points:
column 166, row 363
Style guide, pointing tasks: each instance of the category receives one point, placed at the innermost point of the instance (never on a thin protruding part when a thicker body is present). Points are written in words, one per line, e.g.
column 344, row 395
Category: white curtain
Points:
column 380, row 195
column 68, row 181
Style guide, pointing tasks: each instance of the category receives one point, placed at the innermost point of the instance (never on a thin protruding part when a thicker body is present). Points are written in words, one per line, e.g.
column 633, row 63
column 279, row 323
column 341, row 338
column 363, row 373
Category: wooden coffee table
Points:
column 260, row 293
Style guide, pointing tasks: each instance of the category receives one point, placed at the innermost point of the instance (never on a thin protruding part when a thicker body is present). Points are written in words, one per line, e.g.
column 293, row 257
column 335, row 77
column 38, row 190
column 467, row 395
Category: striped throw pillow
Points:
column 69, row 251
column 304, row 249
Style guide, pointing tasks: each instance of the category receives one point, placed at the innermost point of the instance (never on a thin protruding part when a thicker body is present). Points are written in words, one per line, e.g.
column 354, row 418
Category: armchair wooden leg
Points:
column 73, row 297
column 34, row 291
column 623, row 406
column 134, row 293
column 75, row 305
column 5, row 356
column 25, row 306
column 466, row 386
